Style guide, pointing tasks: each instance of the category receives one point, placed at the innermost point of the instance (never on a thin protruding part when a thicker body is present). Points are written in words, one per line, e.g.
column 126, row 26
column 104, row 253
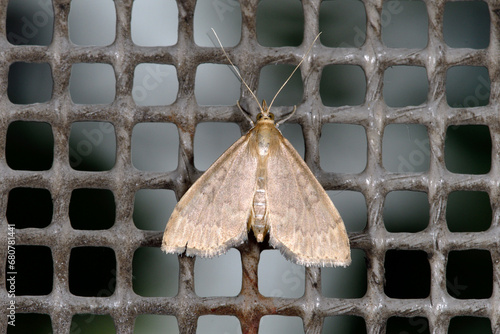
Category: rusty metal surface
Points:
column 374, row 182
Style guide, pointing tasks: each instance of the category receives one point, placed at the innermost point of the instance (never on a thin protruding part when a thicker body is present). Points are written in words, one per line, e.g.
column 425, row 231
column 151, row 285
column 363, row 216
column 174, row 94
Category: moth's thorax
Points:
column 266, row 136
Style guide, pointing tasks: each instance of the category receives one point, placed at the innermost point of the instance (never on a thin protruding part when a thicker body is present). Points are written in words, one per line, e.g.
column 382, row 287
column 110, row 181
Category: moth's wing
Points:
column 304, row 223
column 213, row 214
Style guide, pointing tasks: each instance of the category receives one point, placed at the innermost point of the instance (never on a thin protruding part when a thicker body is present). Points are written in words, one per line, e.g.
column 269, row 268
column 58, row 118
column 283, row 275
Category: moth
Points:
column 261, row 184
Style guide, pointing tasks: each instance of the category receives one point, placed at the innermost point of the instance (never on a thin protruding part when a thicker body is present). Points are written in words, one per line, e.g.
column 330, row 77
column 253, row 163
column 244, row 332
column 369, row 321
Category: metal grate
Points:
column 374, row 182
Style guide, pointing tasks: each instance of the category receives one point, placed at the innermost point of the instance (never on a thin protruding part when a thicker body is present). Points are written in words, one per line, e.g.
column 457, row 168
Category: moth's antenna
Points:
column 296, row 67
column 236, row 70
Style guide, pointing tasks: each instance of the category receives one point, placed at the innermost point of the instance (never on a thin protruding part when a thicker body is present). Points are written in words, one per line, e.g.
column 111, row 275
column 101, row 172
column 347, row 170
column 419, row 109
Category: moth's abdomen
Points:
column 259, row 222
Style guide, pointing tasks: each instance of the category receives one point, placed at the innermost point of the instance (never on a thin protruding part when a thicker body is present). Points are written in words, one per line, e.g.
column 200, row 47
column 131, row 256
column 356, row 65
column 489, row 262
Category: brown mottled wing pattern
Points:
column 304, row 223
column 213, row 214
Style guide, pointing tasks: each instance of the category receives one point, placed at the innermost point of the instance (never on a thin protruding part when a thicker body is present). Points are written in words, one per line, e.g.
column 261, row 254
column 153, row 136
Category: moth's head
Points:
column 265, row 114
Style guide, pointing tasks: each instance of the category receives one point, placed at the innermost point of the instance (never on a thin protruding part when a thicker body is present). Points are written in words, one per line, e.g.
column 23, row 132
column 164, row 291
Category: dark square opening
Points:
column 468, row 211
column 407, row 274
column 467, row 149
column 343, row 148
column 405, row 86
column 469, row 274
column 30, row 323
column 349, row 282
column 92, row 271
column 272, row 77
column 466, row 24
column 342, row 85
column 92, row 83
column 92, row 209
column 342, row 23
column 92, row 323
column 400, row 325
column 406, row 211
column 152, row 208
column 280, row 23
column 405, row 148
column 155, row 273
column 29, row 83
column 467, row 86
column 31, row 272
column 92, row 146
column 30, row 22
column 404, row 24
column 344, row 324
column 29, row 207
column 29, row 146
column 153, row 323
column 470, row 325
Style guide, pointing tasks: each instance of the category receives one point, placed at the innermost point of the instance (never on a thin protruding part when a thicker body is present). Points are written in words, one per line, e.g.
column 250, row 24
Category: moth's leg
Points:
column 287, row 117
column 245, row 113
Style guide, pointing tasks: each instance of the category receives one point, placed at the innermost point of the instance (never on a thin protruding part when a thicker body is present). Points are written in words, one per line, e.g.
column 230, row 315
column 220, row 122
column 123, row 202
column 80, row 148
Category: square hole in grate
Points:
column 92, row 323
column 154, row 23
column 349, row 282
column 32, row 271
column 30, row 323
column 29, row 146
column 29, row 22
column 29, row 83
column 406, row 211
column 342, row 23
column 281, row 324
column 155, row 84
column 155, row 146
column 92, row 83
column 468, row 211
column 280, row 23
column 223, row 16
column 92, row 146
column 92, row 271
column 469, row 274
column 405, row 148
column 279, row 277
column 352, row 208
column 342, row 85
column 29, row 207
column 218, row 276
column 92, row 22
column 343, row 148
column 404, row 24
column 470, row 325
column 415, row 325
column 92, row 209
column 155, row 273
column 407, row 274
column 467, row 149
column 218, row 324
column 152, row 208
column 467, row 86
column 293, row 132
column 152, row 323
column 344, row 324
column 272, row 78
column 466, row 24
column 225, row 92
column 211, row 140
column 405, row 86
